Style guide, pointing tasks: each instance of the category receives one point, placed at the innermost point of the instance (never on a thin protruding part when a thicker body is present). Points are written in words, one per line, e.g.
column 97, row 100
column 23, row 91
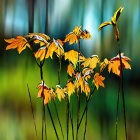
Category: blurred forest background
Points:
column 57, row 18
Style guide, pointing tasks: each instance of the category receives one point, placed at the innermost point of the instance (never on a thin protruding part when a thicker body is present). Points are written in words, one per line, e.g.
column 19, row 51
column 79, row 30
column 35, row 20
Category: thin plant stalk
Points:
column 78, row 93
column 67, row 114
column 123, row 98
column 43, row 116
column 59, row 69
column 52, row 122
column 117, row 110
column 58, row 119
column 71, row 118
column 32, row 110
column 85, row 125
column 86, row 107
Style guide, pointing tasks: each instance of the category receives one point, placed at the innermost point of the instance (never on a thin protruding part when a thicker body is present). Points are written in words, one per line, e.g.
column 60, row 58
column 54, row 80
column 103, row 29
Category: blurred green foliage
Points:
column 16, row 71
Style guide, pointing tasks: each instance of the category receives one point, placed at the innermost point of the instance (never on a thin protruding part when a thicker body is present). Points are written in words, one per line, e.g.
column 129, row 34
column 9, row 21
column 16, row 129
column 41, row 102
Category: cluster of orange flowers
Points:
column 79, row 79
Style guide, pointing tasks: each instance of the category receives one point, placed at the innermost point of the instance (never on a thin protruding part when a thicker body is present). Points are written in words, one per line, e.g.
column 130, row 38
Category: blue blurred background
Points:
column 57, row 18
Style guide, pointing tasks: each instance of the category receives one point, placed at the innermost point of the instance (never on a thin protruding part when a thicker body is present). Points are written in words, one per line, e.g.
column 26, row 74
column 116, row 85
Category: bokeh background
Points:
column 57, row 18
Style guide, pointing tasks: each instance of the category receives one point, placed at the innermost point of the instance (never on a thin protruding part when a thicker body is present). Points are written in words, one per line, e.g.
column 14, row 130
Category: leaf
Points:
column 103, row 25
column 56, row 47
column 86, row 88
column 79, row 82
column 39, row 38
column 45, row 92
column 71, row 38
column 19, row 42
column 114, row 64
column 103, row 65
column 77, row 30
column 116, row 15
column 41, row 53
column 85, row 35
column 91, row 62
column 72, row 56
column 87, row 73
column 70, row 70
column 60, row 93
column 70, row 87
column 98, row 80
column 77, row 33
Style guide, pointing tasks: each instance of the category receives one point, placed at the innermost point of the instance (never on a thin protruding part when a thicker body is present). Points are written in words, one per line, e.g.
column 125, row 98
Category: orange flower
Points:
column 20, row 43
column 113, row 22
column 45, row 92
column 55, row 46
column 70, row 70
column 77, row 33
column 114, row 64
column 98, row 80
column 60, row 92
column 91, row 62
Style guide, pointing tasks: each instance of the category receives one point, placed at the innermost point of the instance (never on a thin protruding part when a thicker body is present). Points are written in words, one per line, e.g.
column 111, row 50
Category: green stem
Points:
column 67, row 114
column 78, row 93
column 85, row 124
column 86, row 107
column 123, row 98
column 117, row 109
column 52, row 122
column 71, row 118
column 32, row 109
column 59, row 120
column 59, row 69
